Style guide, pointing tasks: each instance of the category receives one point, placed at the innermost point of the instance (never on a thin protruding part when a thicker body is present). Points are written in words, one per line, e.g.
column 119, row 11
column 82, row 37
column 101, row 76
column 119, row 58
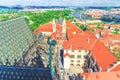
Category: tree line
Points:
column 44, row 17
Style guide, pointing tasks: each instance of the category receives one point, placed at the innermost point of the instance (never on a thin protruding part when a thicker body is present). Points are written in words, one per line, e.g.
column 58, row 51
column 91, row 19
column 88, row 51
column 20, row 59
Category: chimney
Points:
column 109, row 26
column 100, row 34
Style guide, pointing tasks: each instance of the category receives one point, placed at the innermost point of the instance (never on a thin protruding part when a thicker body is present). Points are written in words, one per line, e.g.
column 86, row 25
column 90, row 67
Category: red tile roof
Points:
column 110, row 39
column 44, row 28
column 87, row 33
column 82, row 40
column 102, row 75
column 103, row 56
column 69, row 24
column 71, row 29
column 119, row 43
column 78, row 42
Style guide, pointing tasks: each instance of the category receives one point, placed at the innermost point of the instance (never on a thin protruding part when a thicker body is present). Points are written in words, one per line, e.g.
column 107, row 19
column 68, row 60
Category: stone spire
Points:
column 54, row 25
column 64, row 26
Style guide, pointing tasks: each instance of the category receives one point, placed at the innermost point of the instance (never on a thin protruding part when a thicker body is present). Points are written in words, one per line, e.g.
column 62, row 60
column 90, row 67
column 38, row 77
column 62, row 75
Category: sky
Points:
column 61, row 2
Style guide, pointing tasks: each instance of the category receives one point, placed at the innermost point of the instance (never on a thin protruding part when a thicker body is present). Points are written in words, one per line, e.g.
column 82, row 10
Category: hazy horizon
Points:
column 61, row 2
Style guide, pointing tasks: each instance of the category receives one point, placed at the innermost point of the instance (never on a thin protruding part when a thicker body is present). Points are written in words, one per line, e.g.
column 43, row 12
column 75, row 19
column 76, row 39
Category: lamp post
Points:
column 51, row 43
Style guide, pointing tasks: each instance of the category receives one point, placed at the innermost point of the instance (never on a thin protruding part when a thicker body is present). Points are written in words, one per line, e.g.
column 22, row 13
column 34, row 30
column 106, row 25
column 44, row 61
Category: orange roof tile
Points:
column 71, row 28
column 110, row 39
column 44, row 28
column 102, row 75
column 78, row 42
column 86, row 34
column 119, row 43
column 103, row 56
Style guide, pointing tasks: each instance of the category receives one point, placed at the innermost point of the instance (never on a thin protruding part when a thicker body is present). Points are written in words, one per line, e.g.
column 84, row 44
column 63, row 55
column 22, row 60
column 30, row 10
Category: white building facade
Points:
column 77, row 58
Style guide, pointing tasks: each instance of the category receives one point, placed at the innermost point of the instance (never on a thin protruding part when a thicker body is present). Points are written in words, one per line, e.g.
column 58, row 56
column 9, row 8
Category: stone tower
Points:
column 64, row 26
column 54, row 25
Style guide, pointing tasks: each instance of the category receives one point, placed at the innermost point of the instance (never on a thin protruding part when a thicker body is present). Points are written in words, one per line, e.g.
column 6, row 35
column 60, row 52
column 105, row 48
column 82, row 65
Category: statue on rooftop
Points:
column 51, row 43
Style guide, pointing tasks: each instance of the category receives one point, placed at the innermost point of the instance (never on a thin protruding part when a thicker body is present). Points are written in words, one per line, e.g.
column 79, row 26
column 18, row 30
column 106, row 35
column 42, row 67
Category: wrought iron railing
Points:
column 24, row 73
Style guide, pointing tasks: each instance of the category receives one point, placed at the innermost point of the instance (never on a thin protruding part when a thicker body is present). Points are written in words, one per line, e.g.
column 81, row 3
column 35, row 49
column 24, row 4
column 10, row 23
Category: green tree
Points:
column 83, row 27
column 44, row 17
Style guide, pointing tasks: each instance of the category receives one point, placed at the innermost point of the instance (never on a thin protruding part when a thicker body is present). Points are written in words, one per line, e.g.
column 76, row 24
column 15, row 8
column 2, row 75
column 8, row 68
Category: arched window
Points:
column 71, row 64
column 77, row 64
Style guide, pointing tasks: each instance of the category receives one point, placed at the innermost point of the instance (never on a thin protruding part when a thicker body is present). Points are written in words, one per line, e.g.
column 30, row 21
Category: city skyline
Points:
column 61, row 2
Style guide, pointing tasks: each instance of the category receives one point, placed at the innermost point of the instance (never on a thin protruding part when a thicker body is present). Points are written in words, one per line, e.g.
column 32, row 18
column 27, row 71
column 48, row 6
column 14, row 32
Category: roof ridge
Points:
column 93, row 44
column 114, row 65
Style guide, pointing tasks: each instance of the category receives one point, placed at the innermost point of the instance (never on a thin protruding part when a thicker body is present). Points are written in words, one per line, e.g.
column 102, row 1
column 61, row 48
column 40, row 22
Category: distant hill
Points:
column 46, row 6
column 4, row 7
column 11, row 7
column 18, row 7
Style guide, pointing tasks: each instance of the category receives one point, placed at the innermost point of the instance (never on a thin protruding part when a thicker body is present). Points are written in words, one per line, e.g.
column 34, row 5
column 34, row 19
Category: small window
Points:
column 72, row 64
column 78, row 60
column 72, row 56
column 78, row 65
column 85, row 56
column 85, row 64
column 72, row 60
column 85, row 60
column 78, row 56
column 85, row 50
